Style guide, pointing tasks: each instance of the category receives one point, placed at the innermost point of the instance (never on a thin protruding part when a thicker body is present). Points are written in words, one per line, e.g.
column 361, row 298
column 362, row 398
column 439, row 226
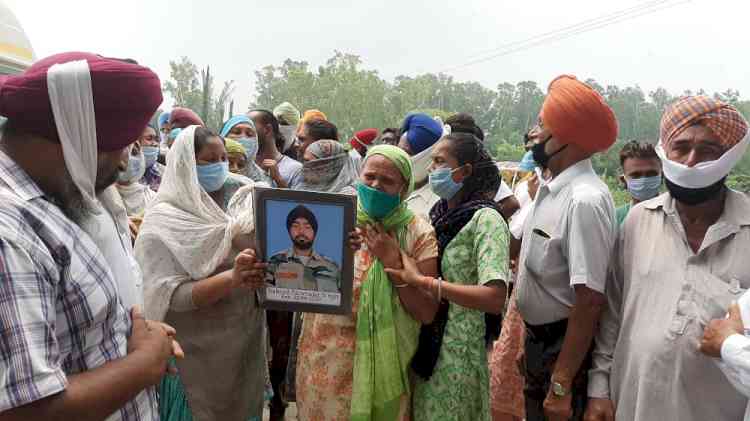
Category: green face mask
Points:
column 376, row 203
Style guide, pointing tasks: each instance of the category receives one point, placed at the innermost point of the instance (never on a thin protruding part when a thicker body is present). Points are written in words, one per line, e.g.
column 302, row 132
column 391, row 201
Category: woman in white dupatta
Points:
column 197, row 278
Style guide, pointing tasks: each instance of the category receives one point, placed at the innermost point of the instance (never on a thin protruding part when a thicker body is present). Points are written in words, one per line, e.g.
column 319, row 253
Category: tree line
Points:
column 354, row 98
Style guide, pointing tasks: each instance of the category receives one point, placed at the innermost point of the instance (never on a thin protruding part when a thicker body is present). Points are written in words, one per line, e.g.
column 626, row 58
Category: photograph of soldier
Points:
column 300, row 266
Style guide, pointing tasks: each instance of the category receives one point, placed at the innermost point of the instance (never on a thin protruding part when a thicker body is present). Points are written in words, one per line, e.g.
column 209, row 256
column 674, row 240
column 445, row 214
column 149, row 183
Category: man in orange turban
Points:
column 567, row 242
column 681, row 261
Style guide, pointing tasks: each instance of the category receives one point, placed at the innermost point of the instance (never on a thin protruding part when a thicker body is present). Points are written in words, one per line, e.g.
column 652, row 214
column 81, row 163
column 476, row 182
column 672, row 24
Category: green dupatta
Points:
column 387, row 336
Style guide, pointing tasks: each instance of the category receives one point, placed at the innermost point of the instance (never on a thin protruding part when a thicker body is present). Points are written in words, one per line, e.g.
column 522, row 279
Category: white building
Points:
column 16, row 53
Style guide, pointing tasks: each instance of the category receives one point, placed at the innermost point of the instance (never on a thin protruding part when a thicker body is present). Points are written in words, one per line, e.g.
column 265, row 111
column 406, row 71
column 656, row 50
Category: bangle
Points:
column 440, row 290
column 404, row 285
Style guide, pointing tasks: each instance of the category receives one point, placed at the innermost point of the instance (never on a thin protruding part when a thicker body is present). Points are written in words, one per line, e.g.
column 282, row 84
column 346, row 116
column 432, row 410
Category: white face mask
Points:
column 290, row 134
column 421, row 163
column 135, row 171
column 702, row 174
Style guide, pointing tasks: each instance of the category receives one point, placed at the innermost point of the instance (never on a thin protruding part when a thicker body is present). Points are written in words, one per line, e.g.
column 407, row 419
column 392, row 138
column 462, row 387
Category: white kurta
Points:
column 661, row 296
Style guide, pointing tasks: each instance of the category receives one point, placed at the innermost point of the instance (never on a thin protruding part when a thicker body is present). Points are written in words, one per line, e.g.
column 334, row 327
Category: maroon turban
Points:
column 126, row 96
column 181, row 118
column 363, row 139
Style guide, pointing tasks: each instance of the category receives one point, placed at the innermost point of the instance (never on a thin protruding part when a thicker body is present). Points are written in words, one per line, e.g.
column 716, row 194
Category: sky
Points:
column 699, row 44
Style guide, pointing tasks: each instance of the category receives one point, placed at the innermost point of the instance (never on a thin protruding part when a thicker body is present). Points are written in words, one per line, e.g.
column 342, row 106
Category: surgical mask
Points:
column 442, row 184
column 212, row 176
column 150, row 154
column 290, row 134
column 135, row 170
column 694, row 196
column 420, row 164
column 540, row 155
column 527, row 162
column 251, row 147
column 702, row 174
column 644, row 188
column 376, row 203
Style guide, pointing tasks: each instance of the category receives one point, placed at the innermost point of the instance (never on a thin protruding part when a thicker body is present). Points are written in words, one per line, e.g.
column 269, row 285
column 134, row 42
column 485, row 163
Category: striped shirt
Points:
column 60, row 308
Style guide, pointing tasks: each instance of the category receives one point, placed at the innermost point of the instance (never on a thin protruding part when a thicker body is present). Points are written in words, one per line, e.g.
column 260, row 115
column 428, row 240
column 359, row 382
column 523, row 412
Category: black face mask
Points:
column 540, row 155
column 692, row 197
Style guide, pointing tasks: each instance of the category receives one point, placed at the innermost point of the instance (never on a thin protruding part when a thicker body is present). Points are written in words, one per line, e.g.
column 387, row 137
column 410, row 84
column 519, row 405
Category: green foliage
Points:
column 354, row 98
column 198, row 94
column 619, row 194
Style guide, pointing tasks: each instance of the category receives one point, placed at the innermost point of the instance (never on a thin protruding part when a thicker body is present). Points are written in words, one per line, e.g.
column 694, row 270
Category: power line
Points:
column 573, row 30
column 574, row 26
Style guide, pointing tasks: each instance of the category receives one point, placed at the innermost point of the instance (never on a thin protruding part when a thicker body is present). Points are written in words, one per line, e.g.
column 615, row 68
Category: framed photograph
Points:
column 304, row 238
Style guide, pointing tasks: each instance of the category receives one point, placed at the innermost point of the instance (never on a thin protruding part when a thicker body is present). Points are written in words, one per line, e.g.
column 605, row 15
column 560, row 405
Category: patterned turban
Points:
column 722, row 119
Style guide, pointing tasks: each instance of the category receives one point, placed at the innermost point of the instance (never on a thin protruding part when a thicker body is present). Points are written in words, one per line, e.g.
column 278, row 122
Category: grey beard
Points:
column 71, row 202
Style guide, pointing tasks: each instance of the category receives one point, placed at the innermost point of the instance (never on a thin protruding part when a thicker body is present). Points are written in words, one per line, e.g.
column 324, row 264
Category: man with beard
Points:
column 72, row 347
column 301, row 267
column 285, row 172
column 680, row 261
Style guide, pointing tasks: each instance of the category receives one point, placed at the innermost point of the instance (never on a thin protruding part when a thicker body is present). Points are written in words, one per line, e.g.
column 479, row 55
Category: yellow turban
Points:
column 288, row 112
column 233, row 146
column 311, row 115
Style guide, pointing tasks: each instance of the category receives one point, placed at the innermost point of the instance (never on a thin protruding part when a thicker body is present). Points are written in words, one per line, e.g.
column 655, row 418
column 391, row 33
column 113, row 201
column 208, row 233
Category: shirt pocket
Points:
column 706, row 298
column 537, row 255
column 714, row 296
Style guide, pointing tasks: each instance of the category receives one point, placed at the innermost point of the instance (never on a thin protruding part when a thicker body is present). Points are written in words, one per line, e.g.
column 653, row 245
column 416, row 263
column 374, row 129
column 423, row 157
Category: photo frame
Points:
column 303, row 236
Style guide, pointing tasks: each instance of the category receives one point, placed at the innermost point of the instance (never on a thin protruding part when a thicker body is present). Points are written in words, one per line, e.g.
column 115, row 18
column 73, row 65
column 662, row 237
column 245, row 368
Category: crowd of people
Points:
column 129, row 267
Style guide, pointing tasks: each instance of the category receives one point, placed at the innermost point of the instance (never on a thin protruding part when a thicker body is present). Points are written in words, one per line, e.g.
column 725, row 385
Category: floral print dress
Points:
column 325, row 361
column 459, row 387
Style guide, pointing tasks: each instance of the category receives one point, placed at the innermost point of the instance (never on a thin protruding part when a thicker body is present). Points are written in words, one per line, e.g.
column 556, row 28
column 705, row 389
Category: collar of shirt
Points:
column 736, row 207
column 568, row 175
column 17, row 179
column 736, row 215
column 313, row 255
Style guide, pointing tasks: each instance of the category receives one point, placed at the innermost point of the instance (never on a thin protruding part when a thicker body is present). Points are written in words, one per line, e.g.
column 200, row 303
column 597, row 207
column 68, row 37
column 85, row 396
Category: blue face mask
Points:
column 527, row 162
column 376, row 203
column 135, row 170
column 644, row 188
column 442, row 184
column 151, row 154
column 212, row 176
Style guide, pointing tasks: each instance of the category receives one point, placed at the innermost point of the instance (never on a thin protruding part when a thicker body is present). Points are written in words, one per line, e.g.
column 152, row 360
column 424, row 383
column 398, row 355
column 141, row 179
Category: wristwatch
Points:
column 559, row 390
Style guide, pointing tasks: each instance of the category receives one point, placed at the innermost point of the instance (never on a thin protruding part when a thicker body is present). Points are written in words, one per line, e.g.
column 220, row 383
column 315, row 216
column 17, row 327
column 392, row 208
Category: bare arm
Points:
column 417, row 301
column 211, row 290
column 94, row 394
column 247, row 272
column 486, row 298
column 97, row 393
column 582, row 324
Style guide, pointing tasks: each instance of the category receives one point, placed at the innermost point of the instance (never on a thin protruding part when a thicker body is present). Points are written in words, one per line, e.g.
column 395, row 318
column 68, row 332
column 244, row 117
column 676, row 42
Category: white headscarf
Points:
column 186, row 223
column 422, row 161
column 72, row 100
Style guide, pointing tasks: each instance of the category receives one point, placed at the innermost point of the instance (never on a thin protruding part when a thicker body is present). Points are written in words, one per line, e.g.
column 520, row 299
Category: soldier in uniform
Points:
column 300, row 267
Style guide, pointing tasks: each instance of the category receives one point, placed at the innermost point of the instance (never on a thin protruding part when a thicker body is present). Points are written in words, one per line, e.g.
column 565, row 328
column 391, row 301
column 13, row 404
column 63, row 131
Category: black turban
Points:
column 301, row 212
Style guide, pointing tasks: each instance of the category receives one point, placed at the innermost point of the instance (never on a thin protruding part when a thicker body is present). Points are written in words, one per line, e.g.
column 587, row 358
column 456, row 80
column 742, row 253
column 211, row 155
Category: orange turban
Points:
column 576, row 114
column 722, row 119
column 311, row 115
